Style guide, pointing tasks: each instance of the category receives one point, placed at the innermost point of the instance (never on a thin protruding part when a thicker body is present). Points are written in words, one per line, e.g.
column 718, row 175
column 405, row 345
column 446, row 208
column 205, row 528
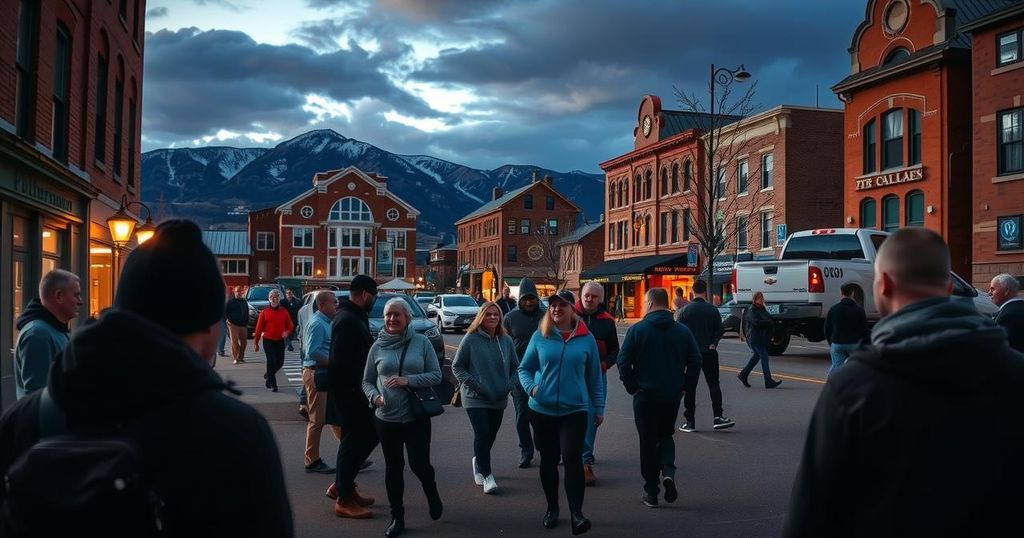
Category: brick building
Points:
column 515, row 235
column 348, row 223
column 581, row 249
column 997, row 80
column 70, row 108
column 233, row 254
column 443, row 268
column 788, row 156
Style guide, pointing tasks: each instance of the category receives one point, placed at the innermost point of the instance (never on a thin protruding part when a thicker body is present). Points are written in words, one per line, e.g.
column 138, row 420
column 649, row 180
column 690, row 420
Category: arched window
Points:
column 351, row 210
column 891, row 213
column 648, row 180
column 914, row 132
column 637, row 187
column 870, row 149
column 892, row 138
column 687, row 175
column 647, row 227
column 625, row 190
column 896, row 56
column 611, row 193
column 675, row 177
column 868, row 213
column 664, row 182
column 915, row 208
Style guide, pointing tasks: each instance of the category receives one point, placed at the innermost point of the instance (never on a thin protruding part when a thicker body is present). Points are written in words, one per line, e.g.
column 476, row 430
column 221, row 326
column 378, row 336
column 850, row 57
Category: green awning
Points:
column 512, row 280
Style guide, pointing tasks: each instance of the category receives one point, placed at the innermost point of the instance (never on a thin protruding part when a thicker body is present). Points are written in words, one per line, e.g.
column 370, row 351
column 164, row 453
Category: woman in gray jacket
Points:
column 386, row 385
column 485, row 364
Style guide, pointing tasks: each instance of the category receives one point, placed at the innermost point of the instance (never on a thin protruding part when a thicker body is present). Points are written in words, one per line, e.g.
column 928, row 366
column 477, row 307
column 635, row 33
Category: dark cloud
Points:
column 156, row 13
column 228, row 4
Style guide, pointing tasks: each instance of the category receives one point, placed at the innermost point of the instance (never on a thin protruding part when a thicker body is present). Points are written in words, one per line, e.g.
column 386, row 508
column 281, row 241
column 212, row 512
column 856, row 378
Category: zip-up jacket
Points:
column 602, row 325
column 565, row 372
column 659, row 357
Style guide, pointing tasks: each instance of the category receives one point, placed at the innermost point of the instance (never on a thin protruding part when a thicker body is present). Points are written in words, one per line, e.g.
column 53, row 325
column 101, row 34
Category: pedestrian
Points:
column 485, row 365
column 43, row 329
column 506, row 303
column 591, row 309
column 479, row 298
column 679, row 302
column 1004, row 291
column 402, row 359
column 846, row 326
column 223, row 339
column 885, row 454
column 317, row 344
column 520, row 324
column 142, row 370
column 273, row 326
column 236, row 312
column 305, row 313
column 561, row 371
column 292, row 304
column 347, row 406
column 620, row 314
column 758, row 325
column 705, row 323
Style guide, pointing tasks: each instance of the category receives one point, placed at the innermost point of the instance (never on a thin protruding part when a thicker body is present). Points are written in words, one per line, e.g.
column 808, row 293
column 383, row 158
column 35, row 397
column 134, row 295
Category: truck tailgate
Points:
column 780, row 281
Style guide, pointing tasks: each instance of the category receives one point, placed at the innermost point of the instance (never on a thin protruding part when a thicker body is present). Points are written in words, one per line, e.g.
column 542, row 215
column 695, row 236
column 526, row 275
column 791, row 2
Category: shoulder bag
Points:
column 423, row 401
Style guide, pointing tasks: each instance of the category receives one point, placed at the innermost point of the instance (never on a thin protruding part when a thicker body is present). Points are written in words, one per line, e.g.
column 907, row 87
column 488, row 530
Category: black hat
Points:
column 363, row 283
column 562, row 295
column 173, row 280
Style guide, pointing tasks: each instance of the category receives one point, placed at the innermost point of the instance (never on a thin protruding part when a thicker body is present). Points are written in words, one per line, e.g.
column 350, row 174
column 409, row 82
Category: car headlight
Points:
column 446, row 314
column 432, row 332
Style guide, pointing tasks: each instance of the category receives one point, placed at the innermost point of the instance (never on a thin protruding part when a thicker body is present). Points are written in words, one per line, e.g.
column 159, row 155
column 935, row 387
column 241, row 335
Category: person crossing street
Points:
column 705, row 323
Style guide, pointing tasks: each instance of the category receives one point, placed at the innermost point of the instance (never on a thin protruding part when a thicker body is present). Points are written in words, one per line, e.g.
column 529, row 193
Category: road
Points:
column 732, row 482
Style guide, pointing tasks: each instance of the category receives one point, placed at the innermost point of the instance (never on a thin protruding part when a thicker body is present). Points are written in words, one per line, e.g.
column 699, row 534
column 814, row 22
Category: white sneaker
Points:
column 489, row 484
column 477, row 477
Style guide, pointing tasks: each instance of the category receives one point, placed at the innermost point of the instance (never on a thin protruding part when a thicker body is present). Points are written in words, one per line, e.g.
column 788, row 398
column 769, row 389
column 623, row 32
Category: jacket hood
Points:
column 580, row 330
column 35, row 310
column 122, row 366
column 600, row 313
column 526, row 289
column 662, row 319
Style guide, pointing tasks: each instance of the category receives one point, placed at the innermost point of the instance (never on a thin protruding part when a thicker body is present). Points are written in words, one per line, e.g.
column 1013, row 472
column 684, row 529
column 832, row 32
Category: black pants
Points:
column 561, row 436
column 357, row 442
column 274, row 350
column 486, row 423
column 655, row 423
column 414, row 437
column 522, row 404
column 709, row 366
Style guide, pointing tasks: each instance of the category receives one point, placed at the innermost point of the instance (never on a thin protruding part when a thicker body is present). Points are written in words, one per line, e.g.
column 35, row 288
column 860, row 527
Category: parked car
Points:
column 729, row 320
column 453, row 311
column 257, row 296
column 424, row 302
column 420, row 323
column 424, row 295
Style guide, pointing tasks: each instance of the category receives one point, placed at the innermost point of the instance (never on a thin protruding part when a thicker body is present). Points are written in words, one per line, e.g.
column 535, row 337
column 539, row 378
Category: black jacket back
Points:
column 846, row 323
column 704, row 321
column 350, row 345
column 1011, row 318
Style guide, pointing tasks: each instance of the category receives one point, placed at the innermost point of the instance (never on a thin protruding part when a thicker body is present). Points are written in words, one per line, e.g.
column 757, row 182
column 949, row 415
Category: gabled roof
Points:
column 496, row 204
column 579, row 233
column 227, row 242
column 323, row 179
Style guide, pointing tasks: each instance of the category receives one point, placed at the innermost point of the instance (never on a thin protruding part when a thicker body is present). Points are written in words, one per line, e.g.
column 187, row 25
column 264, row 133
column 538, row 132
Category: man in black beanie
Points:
column 142, row 371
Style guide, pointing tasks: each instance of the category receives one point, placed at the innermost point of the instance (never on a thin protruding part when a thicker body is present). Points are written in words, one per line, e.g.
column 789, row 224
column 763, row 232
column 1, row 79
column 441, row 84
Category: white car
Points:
column 452, row 311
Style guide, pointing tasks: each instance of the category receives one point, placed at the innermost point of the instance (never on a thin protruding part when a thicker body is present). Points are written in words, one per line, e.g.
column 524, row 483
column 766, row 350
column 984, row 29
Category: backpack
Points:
column 81, row 484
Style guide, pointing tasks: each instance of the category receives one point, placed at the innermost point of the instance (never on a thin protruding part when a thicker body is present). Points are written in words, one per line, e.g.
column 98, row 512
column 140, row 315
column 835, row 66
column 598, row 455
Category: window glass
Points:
column 741, row 232
column 741, row 179
column 720, row 185
column 19, row 231
column 675, row 177
column 524, row 227
column 528, row 201
column 687, row 175
column 870, row 150
column 767, row 171
column 1011, row 141
column 766, row 229
column 549, row 203
column 914, row 128
column 868, row 213
column 51, row 241
column 892, row 150
column 823, row 247
column 1009, row 48
column 350, row 209
column 915, row 208
column 890, row 213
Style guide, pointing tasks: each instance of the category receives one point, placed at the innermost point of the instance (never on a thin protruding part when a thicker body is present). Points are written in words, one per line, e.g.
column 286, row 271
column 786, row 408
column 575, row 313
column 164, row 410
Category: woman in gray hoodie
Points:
column 386, row 385
column 486, row 366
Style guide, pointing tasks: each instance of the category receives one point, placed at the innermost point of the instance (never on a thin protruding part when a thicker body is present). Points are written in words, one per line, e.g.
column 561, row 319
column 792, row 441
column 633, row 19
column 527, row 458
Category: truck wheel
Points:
column 778, row 344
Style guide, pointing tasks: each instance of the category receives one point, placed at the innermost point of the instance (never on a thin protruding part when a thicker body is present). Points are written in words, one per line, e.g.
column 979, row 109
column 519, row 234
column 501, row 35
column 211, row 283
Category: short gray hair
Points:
column 274, row 292
column 657, row 297
column 399, row 302
column 322, row 297
column 1008, row 281
column 594, row 286
column 56, row 279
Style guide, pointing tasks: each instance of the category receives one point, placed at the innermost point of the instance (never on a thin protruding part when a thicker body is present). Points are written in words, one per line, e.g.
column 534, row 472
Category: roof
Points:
column 579, row 233
column 638, row 265
column 227, row 242
column 677, row 121
column 1011, row 10
column 449, row 246
column 507, row 197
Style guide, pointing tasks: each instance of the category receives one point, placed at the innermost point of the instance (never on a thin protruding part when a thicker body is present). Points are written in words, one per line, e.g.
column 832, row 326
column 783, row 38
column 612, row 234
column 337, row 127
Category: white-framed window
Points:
column 234, row 267
column 767, row 171
column 720, row 185
column 552, row 226
column 332, row 267
column 302, row 237
column 350, row 266
column 264, row 240
column 302, row 266
column 397, row 238
column 350, row 238
column 350, row 209
column 742, row 174
column 766, row 230
column 399, row 267
column 741, row 232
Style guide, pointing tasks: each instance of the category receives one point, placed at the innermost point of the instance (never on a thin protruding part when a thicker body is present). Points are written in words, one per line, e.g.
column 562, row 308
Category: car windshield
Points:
column 378, row 306
column 823, row 247
column 459, row 300
column 258, row 294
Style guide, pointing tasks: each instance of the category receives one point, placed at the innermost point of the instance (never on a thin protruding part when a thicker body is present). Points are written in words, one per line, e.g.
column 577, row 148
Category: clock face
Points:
column 535, row 252
column 393, row 214
column 647, row 125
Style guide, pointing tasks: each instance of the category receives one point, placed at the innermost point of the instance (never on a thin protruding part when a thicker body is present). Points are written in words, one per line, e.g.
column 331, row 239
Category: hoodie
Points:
column 565, row 372
column 602, row 325
column 520, row 324
column 660, row 357
column 42, row 336
column 127, row 375
column 486, row 366
column 884, row 455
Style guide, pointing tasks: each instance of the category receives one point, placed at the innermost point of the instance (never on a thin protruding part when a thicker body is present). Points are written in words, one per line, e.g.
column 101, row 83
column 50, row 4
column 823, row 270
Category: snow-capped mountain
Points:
column 214, row 185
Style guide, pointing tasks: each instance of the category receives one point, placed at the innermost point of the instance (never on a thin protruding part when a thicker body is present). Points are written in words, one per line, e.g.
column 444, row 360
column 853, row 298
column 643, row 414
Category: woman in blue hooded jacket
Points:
column 561, row 371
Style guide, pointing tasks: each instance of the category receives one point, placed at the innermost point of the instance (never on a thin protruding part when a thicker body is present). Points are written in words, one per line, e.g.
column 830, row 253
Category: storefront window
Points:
column 101, row 277
column 52, row 241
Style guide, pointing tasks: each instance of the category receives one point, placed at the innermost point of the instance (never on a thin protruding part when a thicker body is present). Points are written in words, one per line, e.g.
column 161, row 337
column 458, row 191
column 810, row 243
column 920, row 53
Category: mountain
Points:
column 218, row 185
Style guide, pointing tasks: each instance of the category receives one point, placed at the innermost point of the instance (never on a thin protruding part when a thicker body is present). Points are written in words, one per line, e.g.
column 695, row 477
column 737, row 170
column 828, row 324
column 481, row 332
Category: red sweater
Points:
column 273, row 322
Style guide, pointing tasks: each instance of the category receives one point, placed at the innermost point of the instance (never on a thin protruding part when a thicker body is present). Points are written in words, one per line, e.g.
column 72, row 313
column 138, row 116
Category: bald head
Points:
column 912, row 264
column 657, row 299
column 326, row 302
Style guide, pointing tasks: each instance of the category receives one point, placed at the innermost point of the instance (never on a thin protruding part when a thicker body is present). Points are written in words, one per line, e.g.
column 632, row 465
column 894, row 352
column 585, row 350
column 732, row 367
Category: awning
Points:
column 512, row 280
column 632, row 269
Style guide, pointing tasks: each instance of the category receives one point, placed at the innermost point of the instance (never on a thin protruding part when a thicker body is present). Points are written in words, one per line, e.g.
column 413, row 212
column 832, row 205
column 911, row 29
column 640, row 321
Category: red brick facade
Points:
column 443, row 268
column 579, row 253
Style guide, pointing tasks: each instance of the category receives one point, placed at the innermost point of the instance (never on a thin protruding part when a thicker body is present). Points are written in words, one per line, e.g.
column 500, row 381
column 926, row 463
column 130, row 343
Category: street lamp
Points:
column 725, row 77
column 122, row 225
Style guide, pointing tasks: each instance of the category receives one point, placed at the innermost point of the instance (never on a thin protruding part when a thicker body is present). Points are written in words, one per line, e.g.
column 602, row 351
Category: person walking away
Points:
column 506, row 303
column 758, row 327
column 402, row 359
column 485, row 366
column 317, row 345
column 347, row 406
column 520, row 324
column 705, row 323
column 141, row 372
column 43, row 330
column 292, row 304
column 590, row 308
column 620, row 314
column 846, row 326
column 561, row 371
column 273, row 326
column 879, row 447
column 223, row 338
column 236, row 312
column 658, row 360
column 1004, row 291
column 679, row 302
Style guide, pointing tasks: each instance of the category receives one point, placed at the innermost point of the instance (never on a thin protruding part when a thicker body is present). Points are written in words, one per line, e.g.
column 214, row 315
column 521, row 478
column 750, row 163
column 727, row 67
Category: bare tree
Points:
column 551, row 263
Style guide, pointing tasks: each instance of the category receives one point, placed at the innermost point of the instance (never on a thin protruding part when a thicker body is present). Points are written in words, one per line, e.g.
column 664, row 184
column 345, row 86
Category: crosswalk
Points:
column 292, row 368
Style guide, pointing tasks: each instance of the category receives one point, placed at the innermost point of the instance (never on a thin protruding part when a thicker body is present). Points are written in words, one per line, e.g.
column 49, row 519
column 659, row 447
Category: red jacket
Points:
column 273, row 322
column 602, row 325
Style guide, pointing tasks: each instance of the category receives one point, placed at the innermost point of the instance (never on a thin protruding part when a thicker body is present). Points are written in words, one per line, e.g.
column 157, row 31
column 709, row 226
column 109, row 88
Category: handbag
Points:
column 320, row 379
column 423, row 401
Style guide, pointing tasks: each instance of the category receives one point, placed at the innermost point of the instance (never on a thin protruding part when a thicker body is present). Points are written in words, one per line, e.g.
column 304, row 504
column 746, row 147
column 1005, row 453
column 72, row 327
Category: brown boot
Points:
column 359, row 499
column 588, row 475
column 332, row 493
column 351, row 510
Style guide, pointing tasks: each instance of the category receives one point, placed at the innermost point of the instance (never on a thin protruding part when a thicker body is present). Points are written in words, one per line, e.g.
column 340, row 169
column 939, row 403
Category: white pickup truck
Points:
column 803, row 284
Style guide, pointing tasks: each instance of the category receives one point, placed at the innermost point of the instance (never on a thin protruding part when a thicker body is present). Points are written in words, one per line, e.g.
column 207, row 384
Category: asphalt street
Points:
column 733, row 482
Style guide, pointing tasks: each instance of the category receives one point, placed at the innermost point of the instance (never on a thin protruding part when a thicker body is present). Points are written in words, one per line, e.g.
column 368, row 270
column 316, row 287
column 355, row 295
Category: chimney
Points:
column 548, row 180
column 533, row 176
column 496, row 193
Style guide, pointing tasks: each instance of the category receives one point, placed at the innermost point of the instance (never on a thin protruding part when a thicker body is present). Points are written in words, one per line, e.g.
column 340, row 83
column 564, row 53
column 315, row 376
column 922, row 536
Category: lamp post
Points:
column 122, row 225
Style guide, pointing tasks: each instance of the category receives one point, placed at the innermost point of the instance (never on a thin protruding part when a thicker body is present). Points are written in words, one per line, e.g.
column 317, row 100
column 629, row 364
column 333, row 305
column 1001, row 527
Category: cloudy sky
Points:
column 554, row 83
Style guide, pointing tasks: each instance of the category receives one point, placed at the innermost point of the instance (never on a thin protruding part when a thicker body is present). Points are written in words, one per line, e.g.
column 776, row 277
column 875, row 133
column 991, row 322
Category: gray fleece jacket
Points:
column 486, row 366
column 421, row 369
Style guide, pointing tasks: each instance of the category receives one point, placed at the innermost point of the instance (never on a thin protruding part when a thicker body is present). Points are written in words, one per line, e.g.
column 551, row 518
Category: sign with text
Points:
column 780, row 234
column 674, row 270
column 385, row 258
column 691, row 255
column 891, row 178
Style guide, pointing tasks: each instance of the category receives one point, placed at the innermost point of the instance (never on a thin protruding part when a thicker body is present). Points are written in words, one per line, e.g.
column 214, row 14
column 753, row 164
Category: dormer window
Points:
column 897, row 55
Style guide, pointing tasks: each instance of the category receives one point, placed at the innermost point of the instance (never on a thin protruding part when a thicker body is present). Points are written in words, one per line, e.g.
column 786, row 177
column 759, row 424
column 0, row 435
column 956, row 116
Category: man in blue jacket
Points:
column 43, row 330
column 658, row 359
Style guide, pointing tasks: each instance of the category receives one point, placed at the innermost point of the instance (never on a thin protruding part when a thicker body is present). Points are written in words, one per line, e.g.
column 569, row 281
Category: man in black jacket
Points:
column 347, row 405
column 1004, row 290
column 886, row 454
column 142, row 370
column 590, row 308
column 520, row 324
column 705, row 322
column 292, row 304
column 236, row 312
column 846, row 326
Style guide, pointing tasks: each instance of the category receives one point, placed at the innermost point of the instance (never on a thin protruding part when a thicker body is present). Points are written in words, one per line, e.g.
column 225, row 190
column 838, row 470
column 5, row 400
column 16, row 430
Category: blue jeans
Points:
column 588, row 441
column 839, row 352
column 760, row 354
column 223, row 336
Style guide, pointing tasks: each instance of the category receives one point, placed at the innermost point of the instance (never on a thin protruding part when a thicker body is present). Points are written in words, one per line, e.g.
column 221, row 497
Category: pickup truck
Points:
column 803, row 284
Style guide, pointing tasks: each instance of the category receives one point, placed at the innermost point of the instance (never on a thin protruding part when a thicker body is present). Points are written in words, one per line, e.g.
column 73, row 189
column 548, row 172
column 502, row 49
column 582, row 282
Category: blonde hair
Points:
column 475, row 326
column 546, row 323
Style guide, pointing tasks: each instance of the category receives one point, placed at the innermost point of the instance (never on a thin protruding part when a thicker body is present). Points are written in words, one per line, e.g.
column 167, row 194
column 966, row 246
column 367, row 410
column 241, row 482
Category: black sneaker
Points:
column 722, row 423
column 671, row 493
column 688, row 427
column 772, row 384
column 319, row 466
column 650, row 501
column 524, row 462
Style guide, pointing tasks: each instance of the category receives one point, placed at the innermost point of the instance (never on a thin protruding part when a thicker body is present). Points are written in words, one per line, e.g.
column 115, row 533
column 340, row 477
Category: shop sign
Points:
column 674, row 270
column 1009, row 232
column 385, row 258
column 632, row 278
column 28, row 187
column 691, row 255
column 892, row 178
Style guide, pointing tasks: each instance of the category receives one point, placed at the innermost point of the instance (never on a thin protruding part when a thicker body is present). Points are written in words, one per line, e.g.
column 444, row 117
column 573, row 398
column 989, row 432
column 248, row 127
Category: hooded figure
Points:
column 520, row 324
